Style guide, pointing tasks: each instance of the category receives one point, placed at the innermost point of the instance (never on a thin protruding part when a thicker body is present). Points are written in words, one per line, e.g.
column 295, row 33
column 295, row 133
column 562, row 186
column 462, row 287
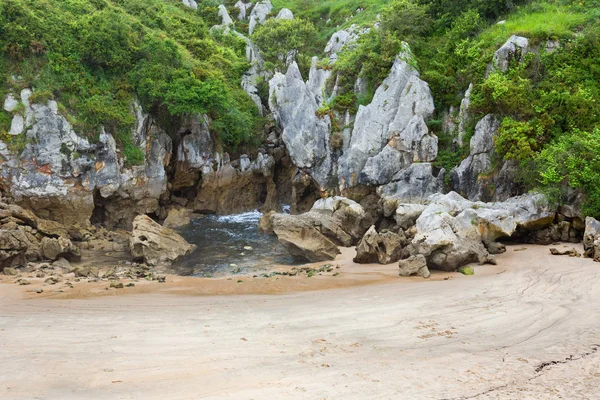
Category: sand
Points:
column 528, row 328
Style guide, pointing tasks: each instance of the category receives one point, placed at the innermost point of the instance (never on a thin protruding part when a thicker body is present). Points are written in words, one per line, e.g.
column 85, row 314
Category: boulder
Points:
column 414, row 265
column 591, row 239
column 285, row 13
column 316, row 235
column 177, row 218
column 155, row 244
column 53, row 249
column 385, row 247
column 303, row 239
column 259, row 14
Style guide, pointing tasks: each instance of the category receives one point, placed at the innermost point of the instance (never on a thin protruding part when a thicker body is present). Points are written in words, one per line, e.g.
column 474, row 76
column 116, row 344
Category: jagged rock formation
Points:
column 24, row 237
column 259, row 14
column 305, row 134
column 244, row 8
column 156, row 245
column 393, row 124
column 190, row 3
column 591, row 239
column 343, row 38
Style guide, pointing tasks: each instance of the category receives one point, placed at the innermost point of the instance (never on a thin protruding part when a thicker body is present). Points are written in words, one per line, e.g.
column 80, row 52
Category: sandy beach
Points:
column 527, row 328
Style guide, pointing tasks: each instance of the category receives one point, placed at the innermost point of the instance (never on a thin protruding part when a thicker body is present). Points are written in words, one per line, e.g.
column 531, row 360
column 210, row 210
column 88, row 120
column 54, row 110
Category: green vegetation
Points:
column 95, row 56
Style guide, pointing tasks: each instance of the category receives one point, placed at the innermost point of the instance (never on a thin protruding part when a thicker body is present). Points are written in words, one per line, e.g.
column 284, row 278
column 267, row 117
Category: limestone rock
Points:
column 194, row 153
column 343, row 38
column 285, row 13
column 515, row 48
column 464, row 116
column 452, row 231
column 591, row 239
column 414, row 184
column 398, row 111
column 177, row 218
column 155, row 244
column 244, row 8
column 414, row 265
column 303, row 240
column 225, row 18
column 259, row 14
column 332, row 222
column 385, row 247
column 13, row 248
column 465, row 177
column 190, row 3
column 306, row 136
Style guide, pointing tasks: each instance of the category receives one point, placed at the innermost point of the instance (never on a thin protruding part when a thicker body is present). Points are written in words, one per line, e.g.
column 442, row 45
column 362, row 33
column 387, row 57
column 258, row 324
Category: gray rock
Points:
column 285, row 13
column 303, row 239
column 53, row 249
column 17, row 125
column 465, row 177
column 515, row 48
column 343, row 38
column 317, row 80
column 414, row 184
column 10, row 103
column 244, row 8
column 591, row 239
column 224, row 15
column 259, row 14
column 414, row 265
column 399, row 108
column 190, row 3
column 385, row 247
column 451, row 231
column 464, row 116
column 306, row 136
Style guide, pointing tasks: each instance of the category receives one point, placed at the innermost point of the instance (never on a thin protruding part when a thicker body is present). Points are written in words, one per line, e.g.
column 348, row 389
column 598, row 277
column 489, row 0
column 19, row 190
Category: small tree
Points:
column 278, row 38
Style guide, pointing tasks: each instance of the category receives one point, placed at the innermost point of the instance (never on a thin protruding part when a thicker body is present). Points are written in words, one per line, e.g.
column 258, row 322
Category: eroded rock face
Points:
column 385, row 247
column 306, row 135
column 155, row 244
column 244, row 8
column 394, row 121
column 414, row 184
column 59, row 173
column 177, row 218
column 452, row 231
column 591, row 239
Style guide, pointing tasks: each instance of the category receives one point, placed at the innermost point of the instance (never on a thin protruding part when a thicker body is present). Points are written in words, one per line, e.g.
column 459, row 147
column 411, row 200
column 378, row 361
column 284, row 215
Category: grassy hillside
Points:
column 95, row 56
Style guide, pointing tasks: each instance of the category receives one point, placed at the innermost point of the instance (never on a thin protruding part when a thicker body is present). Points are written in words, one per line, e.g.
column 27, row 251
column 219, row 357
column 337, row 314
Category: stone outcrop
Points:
column 259, row 14
column 343, row 38
column 476, row 177
column 515, row 48
column 385, row 248
column 24, row 237
column 414, row 266
column 195, row 152
column 155, row 244
column 285, row 13
column 464, row 117
column 316, row 235
column 305, row 134
column 190, row 4
column 244, row 9
column 59, row 174
column 452, row 231
column 392, row 127
column 591, row 239
column 414, row 184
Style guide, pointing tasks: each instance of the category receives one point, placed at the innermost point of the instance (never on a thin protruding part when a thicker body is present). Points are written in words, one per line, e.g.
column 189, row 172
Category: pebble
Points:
column 249, row 248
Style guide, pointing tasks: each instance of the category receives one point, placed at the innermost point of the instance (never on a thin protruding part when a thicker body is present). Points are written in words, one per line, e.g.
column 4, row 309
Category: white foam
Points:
column 251, row 217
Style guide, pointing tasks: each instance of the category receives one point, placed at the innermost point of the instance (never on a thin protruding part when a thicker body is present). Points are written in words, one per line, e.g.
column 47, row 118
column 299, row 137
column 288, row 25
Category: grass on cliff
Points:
column 95, row 56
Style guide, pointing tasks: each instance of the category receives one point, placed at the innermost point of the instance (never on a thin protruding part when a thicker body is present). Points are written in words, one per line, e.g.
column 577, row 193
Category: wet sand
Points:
column 528, row 328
